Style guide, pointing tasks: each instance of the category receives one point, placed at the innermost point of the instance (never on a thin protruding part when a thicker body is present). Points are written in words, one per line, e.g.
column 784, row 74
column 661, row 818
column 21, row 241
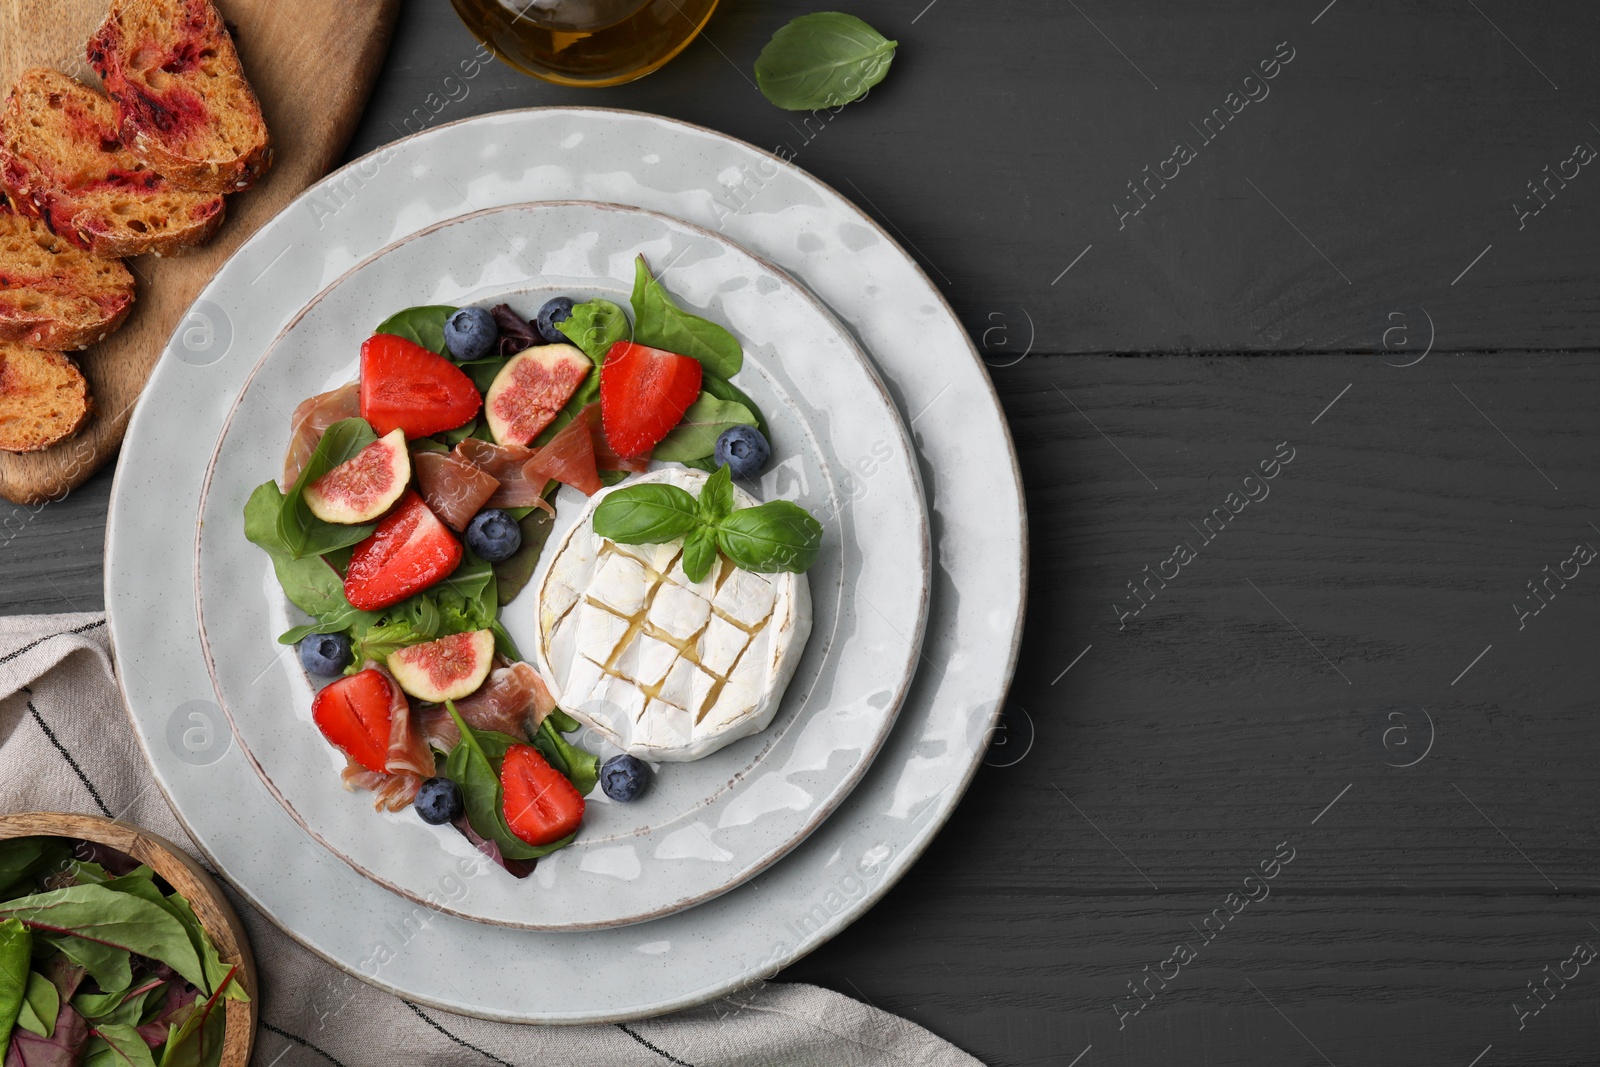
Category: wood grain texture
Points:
column 191, row 881
column 1178, row 752
column 312, row 65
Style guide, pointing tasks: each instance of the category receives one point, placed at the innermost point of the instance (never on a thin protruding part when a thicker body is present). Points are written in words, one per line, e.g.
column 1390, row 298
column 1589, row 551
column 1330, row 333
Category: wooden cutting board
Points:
column 312, row 63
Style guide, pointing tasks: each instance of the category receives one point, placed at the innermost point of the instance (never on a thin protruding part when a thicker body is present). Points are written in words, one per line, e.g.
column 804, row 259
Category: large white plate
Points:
column 704, row 826
column 976, row 517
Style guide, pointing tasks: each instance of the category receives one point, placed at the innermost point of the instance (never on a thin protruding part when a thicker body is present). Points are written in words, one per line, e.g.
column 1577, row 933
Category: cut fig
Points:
column 447, row 669
column 364, row 486
column 531, row 389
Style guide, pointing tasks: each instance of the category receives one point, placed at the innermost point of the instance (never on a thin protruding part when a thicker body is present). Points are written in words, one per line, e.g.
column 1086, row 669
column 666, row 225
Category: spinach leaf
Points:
column 779, row 535
column 563, row 722
column 423, row 325
column 125, row 1044
column 41, row 1004
column 108, row 965
column 302, row 532
column 823, row 60
column 695, row 436
column 16, row 960
column 474, row 766
column 310, row 584
column 594, row 326
column 723, row 389
column 581, row 766
column 111, row 919
column 511, row 575
column 22, row 858
column 699, row 553
column 659, row 323
column 483, row 373
column 646, row 514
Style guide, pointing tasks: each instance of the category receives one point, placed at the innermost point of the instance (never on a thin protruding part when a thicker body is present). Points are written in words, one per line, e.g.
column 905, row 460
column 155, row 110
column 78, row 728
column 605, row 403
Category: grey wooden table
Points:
column 1297, row 770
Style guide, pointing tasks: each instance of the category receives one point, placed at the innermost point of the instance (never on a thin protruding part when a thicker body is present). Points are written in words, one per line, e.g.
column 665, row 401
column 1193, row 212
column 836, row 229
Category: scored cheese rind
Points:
column 665, row 668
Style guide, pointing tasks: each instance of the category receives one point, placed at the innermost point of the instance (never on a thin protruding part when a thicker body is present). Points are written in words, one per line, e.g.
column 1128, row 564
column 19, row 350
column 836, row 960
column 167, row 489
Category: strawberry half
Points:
column 541, row 806
column 409, row 551
column 353, row 714
column 643, row 394
column 405, row 386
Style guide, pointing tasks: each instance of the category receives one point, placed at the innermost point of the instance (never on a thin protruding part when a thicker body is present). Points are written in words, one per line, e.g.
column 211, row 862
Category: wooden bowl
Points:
column 221, row 922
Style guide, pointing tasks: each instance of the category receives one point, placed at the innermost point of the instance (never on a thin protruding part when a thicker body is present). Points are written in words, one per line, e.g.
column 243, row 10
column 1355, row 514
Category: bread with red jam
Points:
column 43, row 398
column 53, row 295
column 182, row 101
column 61, row 161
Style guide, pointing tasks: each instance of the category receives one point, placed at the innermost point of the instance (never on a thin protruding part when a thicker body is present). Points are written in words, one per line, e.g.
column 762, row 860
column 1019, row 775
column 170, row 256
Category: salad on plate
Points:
column 416, row 502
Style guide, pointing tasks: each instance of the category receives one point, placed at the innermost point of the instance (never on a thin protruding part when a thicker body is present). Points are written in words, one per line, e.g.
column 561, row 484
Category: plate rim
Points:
column 901, row 685
column 918, row 842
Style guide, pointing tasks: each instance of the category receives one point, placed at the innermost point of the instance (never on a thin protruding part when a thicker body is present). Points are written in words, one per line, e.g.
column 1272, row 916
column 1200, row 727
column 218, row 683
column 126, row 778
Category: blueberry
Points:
column 324, row 654
column 623, row 777
column 494, row 535
column 557, row 310
column 439, row 801
column 470, row 334
column 743, row 449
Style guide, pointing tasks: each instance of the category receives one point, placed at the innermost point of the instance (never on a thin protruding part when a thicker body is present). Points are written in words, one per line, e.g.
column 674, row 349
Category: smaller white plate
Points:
column 703, row 827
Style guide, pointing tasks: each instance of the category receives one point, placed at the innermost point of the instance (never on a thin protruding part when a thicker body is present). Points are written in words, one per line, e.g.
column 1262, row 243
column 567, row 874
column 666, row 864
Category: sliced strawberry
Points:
column 541, row 806
column 643, row 394
column 404, row 385
column 354, row 715
column 409, row 551
column 569, row 459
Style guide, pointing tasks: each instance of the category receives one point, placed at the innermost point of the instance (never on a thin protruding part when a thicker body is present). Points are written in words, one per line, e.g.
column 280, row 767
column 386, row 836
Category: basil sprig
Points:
column 779, row 535
column 822, row 60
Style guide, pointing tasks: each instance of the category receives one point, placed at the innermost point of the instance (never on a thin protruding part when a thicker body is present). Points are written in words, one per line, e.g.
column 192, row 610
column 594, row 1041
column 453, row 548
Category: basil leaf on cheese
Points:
column 779, row 535
column 646, row 514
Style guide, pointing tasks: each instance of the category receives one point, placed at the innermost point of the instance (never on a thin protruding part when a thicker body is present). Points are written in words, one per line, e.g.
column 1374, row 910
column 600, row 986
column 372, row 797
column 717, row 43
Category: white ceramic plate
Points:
column 969, row 476
column 704, row 826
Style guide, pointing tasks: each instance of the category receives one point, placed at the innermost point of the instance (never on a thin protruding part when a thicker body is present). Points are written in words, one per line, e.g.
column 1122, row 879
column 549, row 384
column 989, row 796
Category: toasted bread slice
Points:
column 43, row 398
column 61, row 161
column 183, row 104
column 53, row 295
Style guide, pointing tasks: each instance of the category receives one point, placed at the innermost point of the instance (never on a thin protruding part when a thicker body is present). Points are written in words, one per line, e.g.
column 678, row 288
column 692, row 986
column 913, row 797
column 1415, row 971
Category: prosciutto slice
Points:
column 410, row 760
column 605, row 457
column 452, row 487
column 568, row 458
column 512, row 700
column 505, row 464
column 313, row 417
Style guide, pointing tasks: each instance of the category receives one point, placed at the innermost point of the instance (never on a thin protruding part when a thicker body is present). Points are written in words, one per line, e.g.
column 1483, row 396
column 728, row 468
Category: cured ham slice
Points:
column 513, row 700
column 505, row 464
column 605, row 457
column 313, row 416
column 452, row 487
column 568, row 458
column 410, row 760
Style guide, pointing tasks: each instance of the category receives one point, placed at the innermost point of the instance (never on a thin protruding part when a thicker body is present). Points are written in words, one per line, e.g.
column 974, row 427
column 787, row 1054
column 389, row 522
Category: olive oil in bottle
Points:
column 585, row 42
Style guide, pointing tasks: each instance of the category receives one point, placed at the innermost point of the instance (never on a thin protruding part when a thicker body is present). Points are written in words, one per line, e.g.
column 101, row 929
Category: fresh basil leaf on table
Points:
column 302, row 532
column 695, row 436
column 423, row 325
column 823, row 60
column 779, row 535
column 594, row 326
column 659, row 323
column 646, row 514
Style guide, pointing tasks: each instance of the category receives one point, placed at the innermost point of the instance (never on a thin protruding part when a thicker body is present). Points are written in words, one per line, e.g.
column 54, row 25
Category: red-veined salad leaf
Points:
column 94, row 914
column 16, row 957
column 63, row 1048
column 516, row 332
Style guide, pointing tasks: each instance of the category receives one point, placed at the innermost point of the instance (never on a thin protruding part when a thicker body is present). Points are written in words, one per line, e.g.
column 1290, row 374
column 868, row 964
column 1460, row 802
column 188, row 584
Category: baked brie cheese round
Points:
column 666, row 668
